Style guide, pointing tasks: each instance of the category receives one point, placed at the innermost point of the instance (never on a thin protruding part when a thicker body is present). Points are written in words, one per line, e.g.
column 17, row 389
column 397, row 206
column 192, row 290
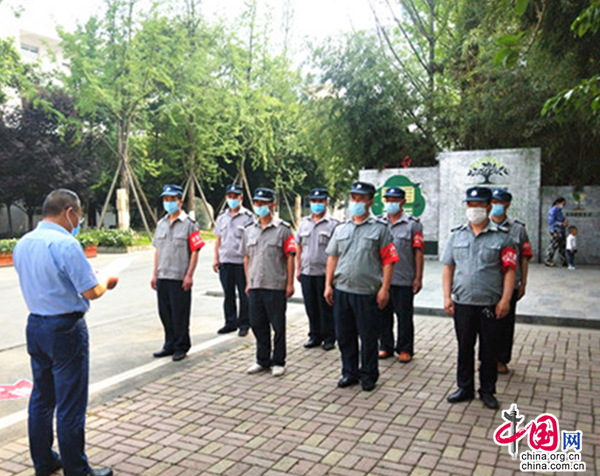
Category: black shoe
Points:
column 460, row 395
column 311, row 343
column 347, row 382
column 56, row 465
column 163, row 353
column 368, row 386
column 179, row 355
column 243, row 332
column 100, row 472
column 489, row 401
column 227, row 330
column 328, row 346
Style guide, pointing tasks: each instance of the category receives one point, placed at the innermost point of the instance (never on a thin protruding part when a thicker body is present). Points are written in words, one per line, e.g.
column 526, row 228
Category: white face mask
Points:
column 477, row 215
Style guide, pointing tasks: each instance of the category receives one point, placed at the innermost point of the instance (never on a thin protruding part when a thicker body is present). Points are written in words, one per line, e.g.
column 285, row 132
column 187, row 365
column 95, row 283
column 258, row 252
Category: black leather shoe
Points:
column 311, row 343
column 179, row 355
column 100, row 472
column 243, row 332
column 163, row 353
column 489, row 401
column 368, row 386
column 460, row 395
column 347, row 382
column 56, row 465
column 328, row 346
column 227, row 330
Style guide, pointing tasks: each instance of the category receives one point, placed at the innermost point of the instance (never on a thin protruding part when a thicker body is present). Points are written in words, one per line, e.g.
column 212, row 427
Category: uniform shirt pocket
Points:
column 324, row 238
column 369, row 242
column 460, row 250
column 491, row 252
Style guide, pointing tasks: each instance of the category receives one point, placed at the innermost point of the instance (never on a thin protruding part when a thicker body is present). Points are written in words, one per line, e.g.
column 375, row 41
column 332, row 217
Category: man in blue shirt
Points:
column 57, row 283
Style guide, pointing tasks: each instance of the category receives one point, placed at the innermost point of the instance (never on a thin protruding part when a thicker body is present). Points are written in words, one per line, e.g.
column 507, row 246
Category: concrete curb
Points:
column 537, row 319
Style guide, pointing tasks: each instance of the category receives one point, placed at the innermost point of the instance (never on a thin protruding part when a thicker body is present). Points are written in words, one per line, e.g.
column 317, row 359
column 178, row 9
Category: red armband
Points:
column 509, row 259
column 526, row 250
column 196, row 241
column 418, row 241
column 389, row 255
column 289, row 246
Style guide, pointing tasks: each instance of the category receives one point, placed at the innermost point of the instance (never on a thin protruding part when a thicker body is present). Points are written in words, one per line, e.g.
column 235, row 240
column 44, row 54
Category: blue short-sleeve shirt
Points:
column 53, row 271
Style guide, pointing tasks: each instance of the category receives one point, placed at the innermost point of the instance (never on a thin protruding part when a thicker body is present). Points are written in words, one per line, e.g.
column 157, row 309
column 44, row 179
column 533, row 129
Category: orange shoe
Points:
column 384, row 354
column 502, row 368
column 404, row 357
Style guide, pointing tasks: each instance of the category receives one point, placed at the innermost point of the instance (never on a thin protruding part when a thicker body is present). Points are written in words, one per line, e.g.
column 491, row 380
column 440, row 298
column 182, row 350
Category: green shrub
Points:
column 87, row 238
column 115, row 238
column 7, row 246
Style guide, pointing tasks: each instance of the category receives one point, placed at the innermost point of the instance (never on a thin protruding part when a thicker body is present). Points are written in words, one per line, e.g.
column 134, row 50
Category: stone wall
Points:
column 582, row 210
column 518, row 170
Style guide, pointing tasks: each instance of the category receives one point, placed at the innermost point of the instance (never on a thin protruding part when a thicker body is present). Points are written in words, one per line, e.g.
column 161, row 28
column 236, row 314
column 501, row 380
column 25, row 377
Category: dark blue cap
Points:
column 363, row 188
column 394, row 192
column 318, row 194
column 478, row 194
column 233, row 188
column 264, row 194
column 502, row 195
column 171, row 190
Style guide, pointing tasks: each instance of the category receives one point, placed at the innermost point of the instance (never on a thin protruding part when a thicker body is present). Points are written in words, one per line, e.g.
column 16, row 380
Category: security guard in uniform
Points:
column 269, row 250
column 478, row 280
column 407, row 281
column 501, row 200
column 312, row 238
column 177, row 241
column 358, row 277
column 229, row 262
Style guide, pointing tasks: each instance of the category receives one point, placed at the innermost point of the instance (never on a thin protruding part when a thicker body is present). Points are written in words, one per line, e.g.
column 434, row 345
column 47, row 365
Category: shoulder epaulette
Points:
column 519, row 222
column 285, row 223
column 503, row 229
column 222, row 212
column 456, row 228
column 249, row 224
column 191, row 219
column 410, row 217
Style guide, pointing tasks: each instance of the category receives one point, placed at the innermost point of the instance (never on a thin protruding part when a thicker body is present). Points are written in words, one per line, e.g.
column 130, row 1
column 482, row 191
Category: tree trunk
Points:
column 192, row 167
column 9, row 217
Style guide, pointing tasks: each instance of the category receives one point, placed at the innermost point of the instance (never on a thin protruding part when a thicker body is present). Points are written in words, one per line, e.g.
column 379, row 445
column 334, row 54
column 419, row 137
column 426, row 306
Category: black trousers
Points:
column 321, row 327
column 267, row 310
column 232, row 277
column 356, row 317
column 571, row 258
column 470, row 322
column 174, row 306
column 401, row 304
column 506, row 332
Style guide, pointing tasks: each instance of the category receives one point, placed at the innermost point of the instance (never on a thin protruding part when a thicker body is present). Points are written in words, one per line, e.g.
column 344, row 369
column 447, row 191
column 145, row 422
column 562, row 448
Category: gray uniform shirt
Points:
column 517, row 232
column 362, row 250
column 175, row 243
column 407, row 234
column 479, row 263
column 314, row 238
column 268, row 250
column 230, row 228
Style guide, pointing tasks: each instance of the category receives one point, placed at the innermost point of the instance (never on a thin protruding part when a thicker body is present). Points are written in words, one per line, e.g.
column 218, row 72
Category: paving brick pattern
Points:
column 212, row 419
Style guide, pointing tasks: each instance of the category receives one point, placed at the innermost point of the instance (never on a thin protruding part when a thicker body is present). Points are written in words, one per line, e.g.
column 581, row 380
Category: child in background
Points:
column 572, row 247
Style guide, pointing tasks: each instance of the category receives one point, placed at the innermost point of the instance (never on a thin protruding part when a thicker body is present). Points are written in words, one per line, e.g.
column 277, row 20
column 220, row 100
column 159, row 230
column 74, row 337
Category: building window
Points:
column 29, row 52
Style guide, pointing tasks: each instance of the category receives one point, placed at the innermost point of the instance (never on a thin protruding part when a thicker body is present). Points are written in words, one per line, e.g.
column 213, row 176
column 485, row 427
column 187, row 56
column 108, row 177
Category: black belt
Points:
column 70, row 315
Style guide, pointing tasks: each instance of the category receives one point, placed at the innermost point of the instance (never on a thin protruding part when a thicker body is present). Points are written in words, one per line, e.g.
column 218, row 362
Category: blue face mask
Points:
column 358, row 209
column 233, row 203
column 392, row 207
column 171, row 207
column 317, row 208
column 262, row 211
column 75, row 230
column 497, row 210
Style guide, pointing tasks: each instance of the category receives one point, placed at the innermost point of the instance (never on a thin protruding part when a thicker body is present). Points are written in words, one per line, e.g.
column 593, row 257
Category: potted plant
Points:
column 89, row 243
column 6, row 250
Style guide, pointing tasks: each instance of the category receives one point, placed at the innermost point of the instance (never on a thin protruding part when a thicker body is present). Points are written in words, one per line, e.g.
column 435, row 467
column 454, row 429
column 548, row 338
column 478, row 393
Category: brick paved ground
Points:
column 213, row 419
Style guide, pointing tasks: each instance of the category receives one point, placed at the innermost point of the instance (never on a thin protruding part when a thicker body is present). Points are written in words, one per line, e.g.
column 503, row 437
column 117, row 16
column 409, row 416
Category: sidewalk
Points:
column 554, row 296
column 209, row 418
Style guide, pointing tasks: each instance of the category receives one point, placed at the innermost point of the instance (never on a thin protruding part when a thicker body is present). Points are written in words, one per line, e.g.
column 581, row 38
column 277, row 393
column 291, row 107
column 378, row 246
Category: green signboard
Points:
column 415, row 202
